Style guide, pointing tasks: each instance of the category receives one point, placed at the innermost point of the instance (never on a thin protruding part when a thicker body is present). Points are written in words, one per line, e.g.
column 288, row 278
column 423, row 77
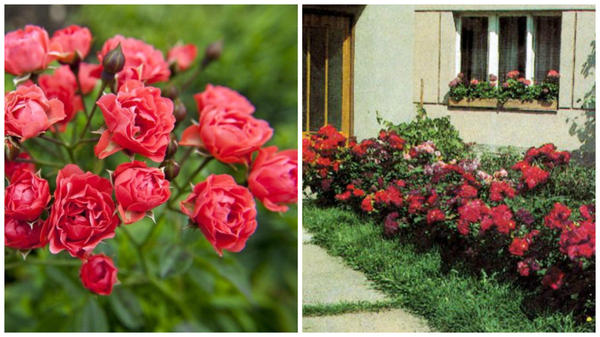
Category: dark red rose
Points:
column 83, row 213
column 20, row 234
column 98, row 274
column 26, row 196
column 224, row 211
column 138, row 189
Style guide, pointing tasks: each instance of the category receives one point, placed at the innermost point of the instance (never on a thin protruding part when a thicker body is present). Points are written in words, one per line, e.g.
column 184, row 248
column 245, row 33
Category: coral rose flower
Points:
column 224, row 211
column 26, row 50
column 142, row 61
column 20, row 234
column 274, row 178
column 98, row 274
column 26, row 196
column 27, row 112
column 230, row 136
column 83, row 213
column 138, row 119
column 182, row 56
column 62, row 85
column 216, row 96
column 68, row 42
column 89, row 74
column 138, row 189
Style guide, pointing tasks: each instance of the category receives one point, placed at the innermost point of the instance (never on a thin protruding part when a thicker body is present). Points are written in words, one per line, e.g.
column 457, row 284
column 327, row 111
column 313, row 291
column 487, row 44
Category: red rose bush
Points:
column 505, row 220
column 110, row 170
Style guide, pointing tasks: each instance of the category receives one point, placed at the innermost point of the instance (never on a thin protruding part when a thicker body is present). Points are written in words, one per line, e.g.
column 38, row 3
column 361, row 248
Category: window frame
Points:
column 347, row 126
column 493, row 59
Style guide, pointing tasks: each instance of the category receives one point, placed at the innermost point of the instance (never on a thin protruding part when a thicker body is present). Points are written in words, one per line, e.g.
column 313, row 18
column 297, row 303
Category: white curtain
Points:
column 474, row 47
column 511, row 37
column 547, row 45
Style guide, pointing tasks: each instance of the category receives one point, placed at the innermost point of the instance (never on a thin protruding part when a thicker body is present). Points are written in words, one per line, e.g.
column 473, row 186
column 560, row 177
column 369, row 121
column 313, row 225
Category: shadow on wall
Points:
column 585, row 128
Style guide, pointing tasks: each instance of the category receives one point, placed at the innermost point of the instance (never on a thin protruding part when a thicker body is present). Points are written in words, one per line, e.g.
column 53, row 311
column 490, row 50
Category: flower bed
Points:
column 509, row 221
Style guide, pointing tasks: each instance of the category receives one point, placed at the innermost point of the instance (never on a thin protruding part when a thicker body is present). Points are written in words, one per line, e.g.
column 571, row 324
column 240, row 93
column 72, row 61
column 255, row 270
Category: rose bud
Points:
column 26, row 50
column 27, row 112
column 139, row 189
column 212, row 52
column 26, row 196
column 71, row 44
column 172, row 148
column 274, row 178
column 112, row 63
column 143, row 62
column 62, row 85
column 12, row 167
column 182, row 56
column 83, row 213
column 171, row 169
column 20, row 234
column 224, row 211
column 98, row 274
column 138, row 119
column 170, row 92
column 222, row 97
column 12, row 149
column 230, row 136
column 179, row 110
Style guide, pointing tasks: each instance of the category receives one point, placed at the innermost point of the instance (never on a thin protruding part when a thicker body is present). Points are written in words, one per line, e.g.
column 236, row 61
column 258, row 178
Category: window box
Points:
column 515, row 104
column 474, row 103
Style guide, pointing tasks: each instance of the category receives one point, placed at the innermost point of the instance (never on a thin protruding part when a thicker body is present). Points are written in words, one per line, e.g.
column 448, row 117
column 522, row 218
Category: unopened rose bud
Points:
column 212, row 52
column 12, row 150
column 171, row 92
column 179, row 110
column 171, row 169
column 113, row 62
column 171, row 148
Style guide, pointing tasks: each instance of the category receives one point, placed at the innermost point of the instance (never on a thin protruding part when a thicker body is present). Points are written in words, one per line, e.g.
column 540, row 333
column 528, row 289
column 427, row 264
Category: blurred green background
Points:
column 190, row 288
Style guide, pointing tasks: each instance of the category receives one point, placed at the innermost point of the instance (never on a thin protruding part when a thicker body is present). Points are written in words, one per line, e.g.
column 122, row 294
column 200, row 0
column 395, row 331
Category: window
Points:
column 326, row 72
column 499, row 43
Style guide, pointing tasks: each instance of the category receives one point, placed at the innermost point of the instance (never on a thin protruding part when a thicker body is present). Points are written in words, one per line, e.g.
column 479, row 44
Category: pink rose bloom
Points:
column 26, row 50
column 138, row 189
column 138, row 119
column 67, row 42
column 138, row 55
column 222, row 97
column 274, row 178
column 224, row 211
column 182, row 56
column 62, row 86
column 27, row 112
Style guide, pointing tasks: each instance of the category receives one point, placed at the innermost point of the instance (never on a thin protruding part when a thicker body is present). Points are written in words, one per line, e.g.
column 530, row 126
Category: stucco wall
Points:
column 383, row 71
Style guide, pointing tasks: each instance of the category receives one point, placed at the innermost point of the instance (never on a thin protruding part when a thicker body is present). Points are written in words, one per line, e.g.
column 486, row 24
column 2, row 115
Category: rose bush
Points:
column 111, row 158
column 506, row 219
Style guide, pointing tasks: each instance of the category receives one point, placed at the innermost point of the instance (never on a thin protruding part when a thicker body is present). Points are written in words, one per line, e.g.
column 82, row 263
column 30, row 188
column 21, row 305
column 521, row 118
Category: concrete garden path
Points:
column 328, row 282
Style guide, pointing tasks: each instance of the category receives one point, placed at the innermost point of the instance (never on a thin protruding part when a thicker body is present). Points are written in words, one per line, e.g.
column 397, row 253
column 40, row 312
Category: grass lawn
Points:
column 451, row 302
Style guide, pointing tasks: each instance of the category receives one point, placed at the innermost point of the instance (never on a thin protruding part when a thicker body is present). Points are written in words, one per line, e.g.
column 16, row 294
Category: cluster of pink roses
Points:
column 138, row 119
